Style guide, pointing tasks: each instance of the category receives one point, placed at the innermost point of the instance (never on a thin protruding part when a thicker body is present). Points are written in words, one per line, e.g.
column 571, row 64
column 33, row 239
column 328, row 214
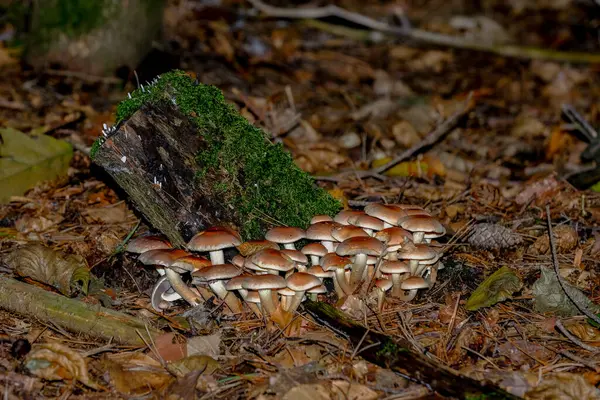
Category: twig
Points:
column 431, row 138
column 506, row 50
column 574, row 339
column 581, row 307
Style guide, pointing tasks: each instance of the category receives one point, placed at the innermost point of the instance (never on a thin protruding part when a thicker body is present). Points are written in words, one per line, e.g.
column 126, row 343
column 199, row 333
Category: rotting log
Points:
column 188, row 160
column 396, row 355
column 73, row 315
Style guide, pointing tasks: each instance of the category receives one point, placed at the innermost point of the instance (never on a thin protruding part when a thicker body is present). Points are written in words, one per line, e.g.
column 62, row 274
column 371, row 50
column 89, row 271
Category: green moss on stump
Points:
column 264, row 184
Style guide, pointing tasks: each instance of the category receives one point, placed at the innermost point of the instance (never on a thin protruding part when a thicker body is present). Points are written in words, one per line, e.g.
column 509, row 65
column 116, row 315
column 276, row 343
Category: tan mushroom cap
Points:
column 252, row 297
column 314, row 249
column 318, row 289
column 342, row 216
column 216, row 272
column 302, row 281
column 394, row 267
column 405, row 207
column 215, row 238
column 286, row 291
column 252, row 246
column 190, row 263
column 319, row 272
column 321, row 231
column 360, row 245
column 284, row 234
column 426, row 224
column 384, row 212
column 296, row 255
column 344, row 232
column 421, row 252
column 394, row 237
column 270, row 259
column 238, row 260
column 236, row 282
column 414, row 282
column 142, row 244
column 320, row 218
column 332, row 261
column 366, row 222
column 383, row 284
column 264, row 282
column 164, row 257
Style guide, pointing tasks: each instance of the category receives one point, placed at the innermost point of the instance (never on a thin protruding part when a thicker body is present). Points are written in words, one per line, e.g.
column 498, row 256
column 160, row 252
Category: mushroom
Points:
column 320, row 218
column 343, row 232
column 382, row 285
column 393, row 238
column 142, row 244
column 285, row 235
column 338, row 264
column 314, row 292
column 189, row 263
column 252, row 246
column 265, row 284
column 320, row 273
column 273, row 261
column 321, row 231
column 366, row 222
column 315, row 251
column 419, row 256
column 238, row 260
column 397, row 269
column 300, row 282
column 360, row 248
column 287, row 295
column 342, row 216
column 181, row 288
column 423, row 227
column 253, row 300
column 159, row 292
column 300, row 260
column 161, row 258
column 215, row 275
column 412, row 285
column 214, row 240
column 389, row 215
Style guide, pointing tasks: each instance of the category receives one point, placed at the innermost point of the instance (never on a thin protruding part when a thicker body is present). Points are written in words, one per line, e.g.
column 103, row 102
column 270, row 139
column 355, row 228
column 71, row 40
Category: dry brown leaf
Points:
column 563, row 386
column 53, row 361
column 352, row 391
column 205, row 364
column 520, row 352
column 135, row 373
column 108, row 215
column 565, row 236
column 169, row 348
column 28, row 223
column 205, row 345
column 539, row 190
column 309, row 391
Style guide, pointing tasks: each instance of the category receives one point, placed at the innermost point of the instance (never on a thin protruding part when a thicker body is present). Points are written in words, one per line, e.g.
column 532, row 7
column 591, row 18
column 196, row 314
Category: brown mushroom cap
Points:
column 405, row 207
column 319, row 272
column 332, row 261
column 236, row 282
column 270, row 259
column 421, row 252
column 314, row 249
column 302, row 281
column 421, row 223
column 394, row 237
column 216, row 272
column 142, row 244
column 394, row 267
column 286, row 291
column 321, row 231
column 414, row 282
column 344, row 232
column 189, row 263
column 263, row 282
column 318, row 289
column 283, row 234
column 360, row 245
column 320, row 218
column 342, row 216
column 216, row 238
column 164, row 257
column 384, row 212
column 296, row 255
column 252, row 297
column 383, row 284
column 238, row 260
column 252, row 246
column 366, row 222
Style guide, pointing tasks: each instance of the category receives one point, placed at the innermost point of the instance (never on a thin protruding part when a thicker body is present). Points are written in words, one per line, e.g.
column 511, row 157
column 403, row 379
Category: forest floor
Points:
column 344, row 100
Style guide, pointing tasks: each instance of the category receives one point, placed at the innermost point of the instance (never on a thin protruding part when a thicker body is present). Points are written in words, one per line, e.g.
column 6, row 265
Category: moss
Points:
column 263, row 182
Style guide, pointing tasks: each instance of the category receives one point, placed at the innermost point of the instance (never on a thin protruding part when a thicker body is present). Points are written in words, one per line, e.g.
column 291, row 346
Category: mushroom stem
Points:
column 217, row 257
column 340, row 278
column 254, row 308
column 408, row 297
column 161, row 271
column 387, row 225
column 314, row 260
column 418, row 237
column 432, row 278
column 313, row 296
column 180, row 287
column 266, row 300
column 380, row 299
column 296, row 300
column 338, row 290
column 397, row 281
column 328, row 245
column 289, row 246
column 358, row 269
column 228, row 298
column 421, row 269
column 414, row 266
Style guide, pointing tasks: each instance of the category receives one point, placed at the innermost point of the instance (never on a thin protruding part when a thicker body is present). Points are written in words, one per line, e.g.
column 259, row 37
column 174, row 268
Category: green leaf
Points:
column 496, row 288
column 26, row 160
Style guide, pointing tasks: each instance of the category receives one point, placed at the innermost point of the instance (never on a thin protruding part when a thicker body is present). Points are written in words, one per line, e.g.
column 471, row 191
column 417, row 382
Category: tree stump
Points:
column 188, row 161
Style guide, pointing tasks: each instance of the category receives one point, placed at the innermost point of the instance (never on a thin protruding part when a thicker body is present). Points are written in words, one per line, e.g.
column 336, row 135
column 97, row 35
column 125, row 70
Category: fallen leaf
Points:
column 204, row 364
column 520, row 352
column 204, row 345
column 309, row 391
column 565, row 237
column 169, row 348
column 26, row 160
column 108, row 215
column 352, row 391
column 563, row 386
column 496, row 288
column 135, row 373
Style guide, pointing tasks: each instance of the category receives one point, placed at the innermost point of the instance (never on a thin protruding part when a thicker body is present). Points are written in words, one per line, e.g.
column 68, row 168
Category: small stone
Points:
column 350, row 140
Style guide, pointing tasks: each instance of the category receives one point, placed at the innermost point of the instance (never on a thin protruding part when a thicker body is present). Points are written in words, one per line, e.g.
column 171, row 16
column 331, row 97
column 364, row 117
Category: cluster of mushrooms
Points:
column 386, row 247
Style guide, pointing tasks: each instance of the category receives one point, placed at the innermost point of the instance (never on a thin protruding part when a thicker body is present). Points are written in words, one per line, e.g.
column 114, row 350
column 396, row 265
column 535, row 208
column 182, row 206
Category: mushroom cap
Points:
column 286, row 291
column 236, row 282
column 384, row 212
column 164, row 257
column 215, row 238
column 142, row 244
column 366, row 222
column 360, row 245
column 414, row 282
column 405, row 207
column 321, row 231
column 394, row 237
column 190, row 263
column 383, row 284
column 271, row 259
column 394, row 267
column 285, row 234
column 314, row 249
column 318, row 289
column 342, row 216
column 421, row 252
column 332, row 261
column 344, row 232
column 252, row 246
column 238, row 260
column 302, row 281
column 296, row 255
column 422, row 223
column 252, row 297
column 263, row 282
column 319, row 272
column 320, row 218
column 216, row 272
